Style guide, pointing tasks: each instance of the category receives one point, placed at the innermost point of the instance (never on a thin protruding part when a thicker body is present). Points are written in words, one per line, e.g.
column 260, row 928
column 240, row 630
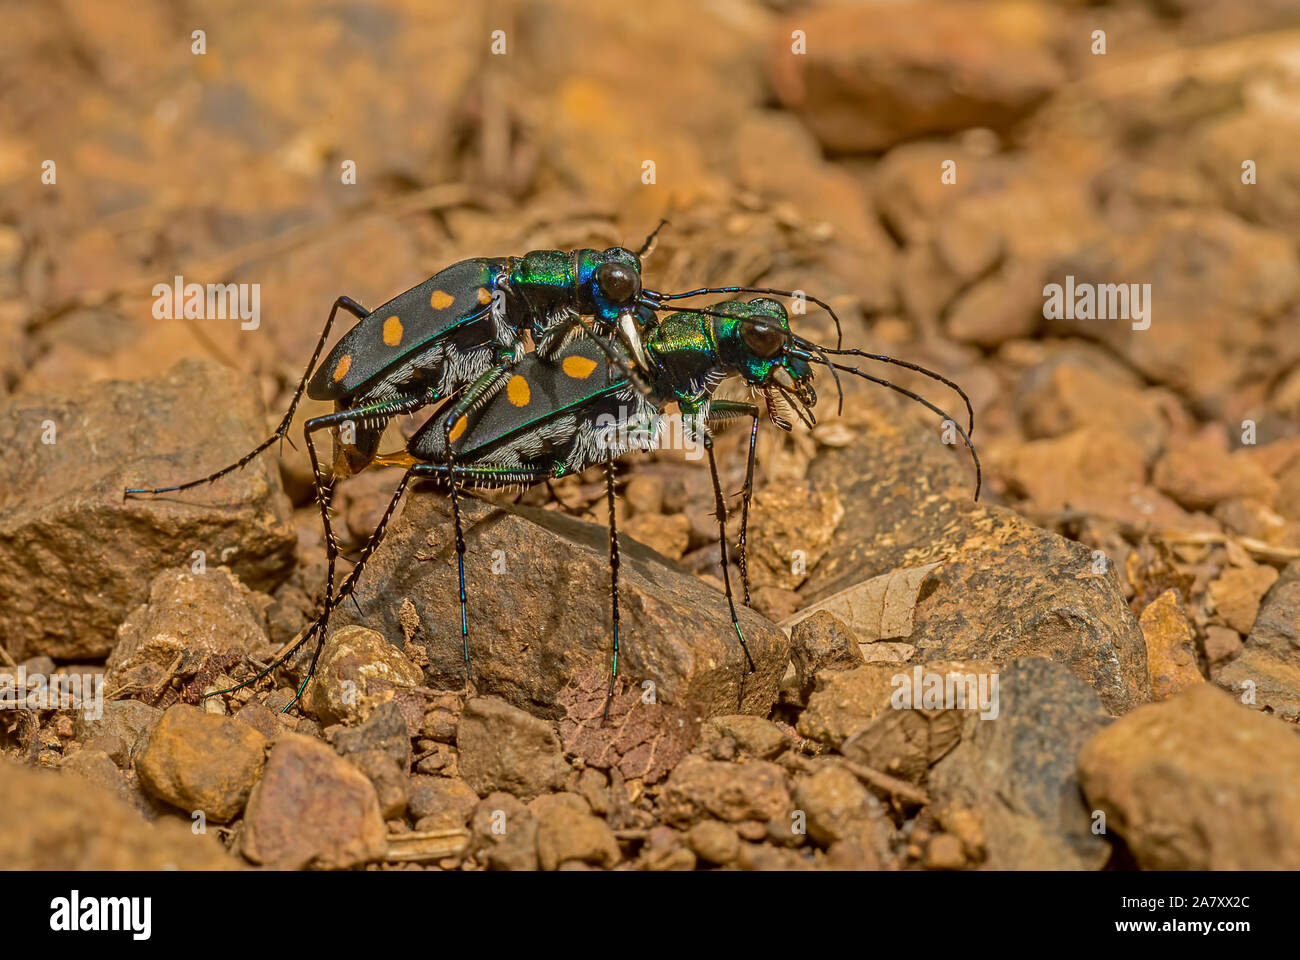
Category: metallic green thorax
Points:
column 692, row 349
column 548, row 279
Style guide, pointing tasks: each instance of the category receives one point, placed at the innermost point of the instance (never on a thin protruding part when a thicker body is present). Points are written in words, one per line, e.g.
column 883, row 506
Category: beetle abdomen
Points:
column 409, row 324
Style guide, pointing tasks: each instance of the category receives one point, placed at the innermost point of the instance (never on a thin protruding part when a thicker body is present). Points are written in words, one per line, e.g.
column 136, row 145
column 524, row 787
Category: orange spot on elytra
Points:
column 517, row 391
column 484, row 297
column 458, row 429
column 392, row 331
column 345, row 364
column 578, row 367
column 441, row 299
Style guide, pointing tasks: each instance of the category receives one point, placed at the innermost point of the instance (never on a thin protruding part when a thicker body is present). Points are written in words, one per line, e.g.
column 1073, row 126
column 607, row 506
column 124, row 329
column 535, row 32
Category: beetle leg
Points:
column 720, row 504
column 347, row 303
column 725, row 410
column 324, row 492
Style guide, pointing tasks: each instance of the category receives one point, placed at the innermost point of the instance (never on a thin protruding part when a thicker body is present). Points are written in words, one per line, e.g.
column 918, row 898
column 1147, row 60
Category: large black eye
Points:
column 764, row 339
column 618, row 282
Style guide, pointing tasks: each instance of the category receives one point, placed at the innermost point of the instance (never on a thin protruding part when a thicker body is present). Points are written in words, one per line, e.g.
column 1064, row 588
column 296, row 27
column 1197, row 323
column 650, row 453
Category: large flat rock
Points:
column 545, row 617
column 1003, row 589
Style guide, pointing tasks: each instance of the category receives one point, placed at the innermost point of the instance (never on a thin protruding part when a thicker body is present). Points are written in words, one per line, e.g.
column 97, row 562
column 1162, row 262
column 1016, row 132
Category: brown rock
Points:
column 1199, row 472
column 64, row 504
column 725, row 791
column 642, row 738
column 666, row 535
column 714, row 842
column 1171, row 657
column 881, row 652
column 1070, row 392
column 448, row 800
column 1219, row 305
column 312, row 808
column 505, row 833
column 257, row 715
column 1235, row 596
column 822, row 643
column 775, row 603
column 665, row 850
column 790, row 529
column 1198, row 783
column 1004, row 588
column 392, row 786
column 503, row 748
column 530, row 636
column 1221, row 643
column 1092, row 469
column 753, row 735
column 129, row 720
column 875, row 716
column 189, row 616
column 1263, row 681
column 838, row 807
column 358, row 671
column 1266, row 673
column 73, row 825
column 944, row 852
column 386, row 729
column 644, row 493
column 869, row 79
column 567, row 832
column 98, row 768
column 1010, row 787
column 1005, row 306
column 199, row 761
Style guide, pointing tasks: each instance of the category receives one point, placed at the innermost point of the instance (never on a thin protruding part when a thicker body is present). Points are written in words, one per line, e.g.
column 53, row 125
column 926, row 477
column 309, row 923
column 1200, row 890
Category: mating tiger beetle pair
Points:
column 603, row 367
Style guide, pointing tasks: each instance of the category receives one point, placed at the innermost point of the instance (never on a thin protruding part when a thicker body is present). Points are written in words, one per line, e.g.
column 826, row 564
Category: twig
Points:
column 891, row 785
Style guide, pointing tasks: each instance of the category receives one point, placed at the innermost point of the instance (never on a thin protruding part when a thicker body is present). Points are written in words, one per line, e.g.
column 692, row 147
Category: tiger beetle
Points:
column 459, row 333
column 560, row 415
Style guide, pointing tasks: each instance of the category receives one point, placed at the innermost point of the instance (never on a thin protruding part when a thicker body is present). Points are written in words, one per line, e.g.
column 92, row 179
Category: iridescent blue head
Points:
column 609, row 282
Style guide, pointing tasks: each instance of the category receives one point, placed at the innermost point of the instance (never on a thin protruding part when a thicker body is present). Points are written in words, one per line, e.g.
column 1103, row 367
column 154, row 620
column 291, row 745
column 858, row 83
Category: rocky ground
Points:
column 1130, row 574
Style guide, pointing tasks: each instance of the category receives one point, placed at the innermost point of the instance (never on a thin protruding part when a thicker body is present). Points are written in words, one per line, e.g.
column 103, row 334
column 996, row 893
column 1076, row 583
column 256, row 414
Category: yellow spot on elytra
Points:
column 458, row 429
column 441, row 299
column 484, row 297
column 345, row 364
column 517, row 391
column 392, row 331
column 578, row 367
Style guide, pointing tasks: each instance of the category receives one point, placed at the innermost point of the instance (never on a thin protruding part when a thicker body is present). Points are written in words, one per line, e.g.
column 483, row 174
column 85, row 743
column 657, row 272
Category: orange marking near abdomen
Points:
column 578, row 367
column 441, row 299
column 393, row 331
column 345, row 364
column 517, row 391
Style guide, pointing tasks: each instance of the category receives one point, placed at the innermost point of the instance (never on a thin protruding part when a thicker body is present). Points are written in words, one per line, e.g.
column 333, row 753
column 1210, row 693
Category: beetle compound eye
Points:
column 617, row 281
column 764, row 339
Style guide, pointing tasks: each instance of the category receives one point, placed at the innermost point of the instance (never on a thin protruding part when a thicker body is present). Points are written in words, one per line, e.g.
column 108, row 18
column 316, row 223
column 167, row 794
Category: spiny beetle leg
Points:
column 726, row 410
column 721, row 506
column 347, row 303
column 613, row 579
column 386, row 408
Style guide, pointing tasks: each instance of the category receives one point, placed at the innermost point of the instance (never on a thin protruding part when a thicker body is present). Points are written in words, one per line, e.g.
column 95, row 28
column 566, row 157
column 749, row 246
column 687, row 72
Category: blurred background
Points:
column 789, row 144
